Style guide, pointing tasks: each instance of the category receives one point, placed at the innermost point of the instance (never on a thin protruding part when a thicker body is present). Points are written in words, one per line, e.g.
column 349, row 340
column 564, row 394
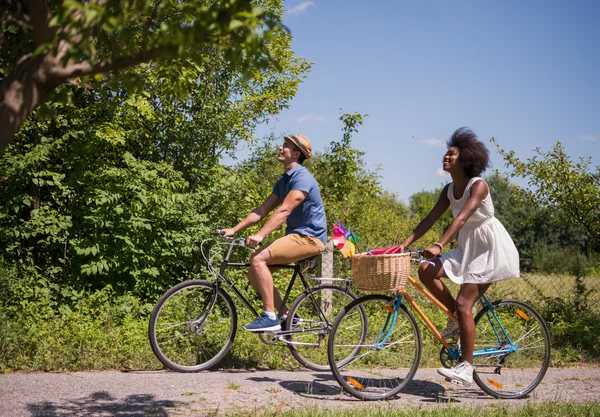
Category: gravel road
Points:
column 163, row 393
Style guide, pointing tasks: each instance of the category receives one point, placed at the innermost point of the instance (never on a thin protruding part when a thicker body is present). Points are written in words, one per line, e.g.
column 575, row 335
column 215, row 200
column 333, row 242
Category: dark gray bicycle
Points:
column 193, row 325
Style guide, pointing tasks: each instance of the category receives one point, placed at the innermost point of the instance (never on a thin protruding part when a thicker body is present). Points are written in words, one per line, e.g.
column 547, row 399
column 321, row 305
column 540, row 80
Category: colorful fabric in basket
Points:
column 385, row 251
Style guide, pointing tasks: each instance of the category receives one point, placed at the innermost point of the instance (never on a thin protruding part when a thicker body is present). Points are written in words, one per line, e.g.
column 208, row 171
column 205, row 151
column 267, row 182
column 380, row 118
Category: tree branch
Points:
column 24, row 23
column 85, row 68
column 40, row 16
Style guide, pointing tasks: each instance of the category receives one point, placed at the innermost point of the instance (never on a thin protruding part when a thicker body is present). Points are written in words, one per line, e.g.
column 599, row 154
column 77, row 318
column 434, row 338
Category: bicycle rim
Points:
column 308, row 343
column 187, row 337
column 512, row 375
column 379, row 367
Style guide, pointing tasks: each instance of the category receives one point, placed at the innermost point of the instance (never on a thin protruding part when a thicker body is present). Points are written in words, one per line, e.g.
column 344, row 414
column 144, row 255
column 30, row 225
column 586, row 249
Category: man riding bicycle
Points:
column 300, row 205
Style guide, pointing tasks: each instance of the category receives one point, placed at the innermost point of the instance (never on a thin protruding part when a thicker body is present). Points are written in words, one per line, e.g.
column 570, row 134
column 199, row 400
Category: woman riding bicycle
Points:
column 485, row 252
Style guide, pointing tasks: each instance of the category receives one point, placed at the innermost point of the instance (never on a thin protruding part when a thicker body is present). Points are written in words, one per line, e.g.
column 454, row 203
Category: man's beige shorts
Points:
column 294, row 247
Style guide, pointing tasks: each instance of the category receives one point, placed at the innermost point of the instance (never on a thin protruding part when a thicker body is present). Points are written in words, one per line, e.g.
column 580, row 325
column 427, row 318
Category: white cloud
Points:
column 311, row 118
column 441, row 173
column 590, row 137
column 301, row 7
column 433, row 142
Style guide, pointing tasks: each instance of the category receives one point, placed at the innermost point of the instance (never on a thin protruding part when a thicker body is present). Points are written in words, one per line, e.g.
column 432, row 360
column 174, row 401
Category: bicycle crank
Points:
column 450, row 357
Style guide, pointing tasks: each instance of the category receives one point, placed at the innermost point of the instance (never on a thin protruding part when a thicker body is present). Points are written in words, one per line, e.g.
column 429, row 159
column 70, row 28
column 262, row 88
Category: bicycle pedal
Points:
column 457, row 382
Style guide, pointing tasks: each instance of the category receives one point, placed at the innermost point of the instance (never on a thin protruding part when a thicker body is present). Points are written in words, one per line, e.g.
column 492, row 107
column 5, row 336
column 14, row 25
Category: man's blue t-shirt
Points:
column 309, row 217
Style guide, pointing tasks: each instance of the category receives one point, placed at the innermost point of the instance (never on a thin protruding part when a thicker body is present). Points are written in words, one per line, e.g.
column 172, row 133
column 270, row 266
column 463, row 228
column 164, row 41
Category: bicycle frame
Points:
column 454, row 353
column 220, row 278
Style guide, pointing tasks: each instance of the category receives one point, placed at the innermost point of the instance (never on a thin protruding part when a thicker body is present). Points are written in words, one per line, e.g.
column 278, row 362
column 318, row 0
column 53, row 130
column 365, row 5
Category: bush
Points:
column 93, row 331
column 565, row 261
column 573, row 325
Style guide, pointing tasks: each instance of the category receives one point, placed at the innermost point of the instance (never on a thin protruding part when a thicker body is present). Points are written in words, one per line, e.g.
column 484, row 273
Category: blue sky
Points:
column 524, row 72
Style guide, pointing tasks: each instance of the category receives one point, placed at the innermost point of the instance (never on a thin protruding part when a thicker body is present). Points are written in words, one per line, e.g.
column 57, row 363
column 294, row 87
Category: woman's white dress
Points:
column 485, row 252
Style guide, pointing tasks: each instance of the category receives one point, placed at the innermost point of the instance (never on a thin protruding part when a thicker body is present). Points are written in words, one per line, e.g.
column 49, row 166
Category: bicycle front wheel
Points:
column 510, row 375
column 187, row 332
column 310, row 320
column 384, row 356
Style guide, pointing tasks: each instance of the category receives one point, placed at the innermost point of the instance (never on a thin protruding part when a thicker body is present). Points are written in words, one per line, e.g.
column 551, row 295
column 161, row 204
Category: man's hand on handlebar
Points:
column 254, row 240
column 251, row 241
column 227, row 232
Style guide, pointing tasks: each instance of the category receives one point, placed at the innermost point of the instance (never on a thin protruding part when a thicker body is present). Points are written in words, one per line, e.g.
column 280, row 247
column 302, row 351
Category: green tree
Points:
column 47, row 43
column 119, row 186
column 561, row 185
column 541, row 234
column 421, row 204
column 357, row 198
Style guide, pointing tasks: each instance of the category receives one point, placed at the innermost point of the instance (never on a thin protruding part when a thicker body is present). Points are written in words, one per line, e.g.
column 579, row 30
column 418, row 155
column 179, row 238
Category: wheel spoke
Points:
column 375, row 370
column 307, row 340
column 516, row 373
column 185, row 334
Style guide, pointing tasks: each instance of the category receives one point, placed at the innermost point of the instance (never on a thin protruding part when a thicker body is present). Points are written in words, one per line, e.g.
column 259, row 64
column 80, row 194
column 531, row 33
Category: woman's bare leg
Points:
column 466, row 299
column 430, row 274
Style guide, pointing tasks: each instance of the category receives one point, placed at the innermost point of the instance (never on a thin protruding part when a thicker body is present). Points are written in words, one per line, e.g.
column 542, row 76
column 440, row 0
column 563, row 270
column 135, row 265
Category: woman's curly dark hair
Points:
column 473, row 154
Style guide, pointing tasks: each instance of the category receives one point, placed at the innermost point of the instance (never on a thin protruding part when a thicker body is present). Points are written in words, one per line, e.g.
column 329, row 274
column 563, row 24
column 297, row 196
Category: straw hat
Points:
column 302, row 143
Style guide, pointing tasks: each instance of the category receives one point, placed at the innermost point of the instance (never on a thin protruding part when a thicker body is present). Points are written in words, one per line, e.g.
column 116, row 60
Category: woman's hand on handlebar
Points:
column 432, row 252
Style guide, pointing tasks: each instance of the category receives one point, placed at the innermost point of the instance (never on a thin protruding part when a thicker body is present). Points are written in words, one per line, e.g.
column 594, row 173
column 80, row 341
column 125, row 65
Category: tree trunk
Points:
column 22, row 91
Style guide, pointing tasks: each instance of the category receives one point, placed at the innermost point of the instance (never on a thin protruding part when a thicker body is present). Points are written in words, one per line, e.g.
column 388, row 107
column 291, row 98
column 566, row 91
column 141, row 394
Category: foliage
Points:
column 44, row 44
column 94, row 331
column 558, row 183
column 346, row 167
column 119, row 187
column 421, row 204
column 353, row 193
column 573, row 324
column 545, row 240
column 103, row 330
column 384, row 409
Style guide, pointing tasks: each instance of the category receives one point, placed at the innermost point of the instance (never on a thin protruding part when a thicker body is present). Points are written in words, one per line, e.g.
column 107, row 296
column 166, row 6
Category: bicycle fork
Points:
column 390, row 321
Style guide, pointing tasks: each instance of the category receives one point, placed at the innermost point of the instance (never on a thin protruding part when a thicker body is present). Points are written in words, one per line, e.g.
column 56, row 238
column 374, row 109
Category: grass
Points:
column 532, row 287
column 112, row 334
column 495, row 410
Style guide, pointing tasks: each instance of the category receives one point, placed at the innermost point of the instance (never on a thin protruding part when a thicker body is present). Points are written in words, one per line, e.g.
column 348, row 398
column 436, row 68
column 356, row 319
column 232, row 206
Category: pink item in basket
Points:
column 385, row 251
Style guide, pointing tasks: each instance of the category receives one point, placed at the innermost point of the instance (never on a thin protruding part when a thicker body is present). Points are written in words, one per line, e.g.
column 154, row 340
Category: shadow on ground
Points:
column 102, row 403
column 324, row 385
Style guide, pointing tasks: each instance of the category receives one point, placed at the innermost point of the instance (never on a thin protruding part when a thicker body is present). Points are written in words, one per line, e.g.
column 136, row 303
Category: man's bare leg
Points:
column 261, row 279
column 277, row 300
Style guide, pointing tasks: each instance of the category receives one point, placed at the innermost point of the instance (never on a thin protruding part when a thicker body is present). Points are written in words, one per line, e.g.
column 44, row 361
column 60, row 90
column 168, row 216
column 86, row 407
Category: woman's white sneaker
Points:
column 462, row 373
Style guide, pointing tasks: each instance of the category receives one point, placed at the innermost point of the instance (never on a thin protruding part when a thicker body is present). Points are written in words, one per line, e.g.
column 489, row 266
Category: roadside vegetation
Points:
column 496, row 410
column 109, row 186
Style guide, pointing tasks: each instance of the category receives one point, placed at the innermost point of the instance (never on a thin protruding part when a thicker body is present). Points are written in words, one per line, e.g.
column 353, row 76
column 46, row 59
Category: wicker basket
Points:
column 380, row 272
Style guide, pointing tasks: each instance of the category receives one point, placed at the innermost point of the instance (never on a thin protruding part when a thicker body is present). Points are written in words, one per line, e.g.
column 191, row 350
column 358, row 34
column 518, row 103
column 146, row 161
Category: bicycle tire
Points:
column 309, row 344
column 375, row 371
column 179, row 340
column 510, row 375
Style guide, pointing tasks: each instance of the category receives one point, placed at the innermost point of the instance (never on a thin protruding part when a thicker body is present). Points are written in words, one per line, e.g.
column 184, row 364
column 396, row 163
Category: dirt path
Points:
column 163, row 393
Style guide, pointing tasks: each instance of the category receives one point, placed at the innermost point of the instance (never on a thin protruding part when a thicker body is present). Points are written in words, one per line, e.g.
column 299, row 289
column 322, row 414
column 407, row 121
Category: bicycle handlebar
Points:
column 416, row 255
column 239, row 241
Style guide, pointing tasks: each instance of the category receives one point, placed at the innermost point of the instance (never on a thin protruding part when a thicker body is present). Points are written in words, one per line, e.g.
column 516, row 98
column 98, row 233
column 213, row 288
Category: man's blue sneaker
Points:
column 263, row 324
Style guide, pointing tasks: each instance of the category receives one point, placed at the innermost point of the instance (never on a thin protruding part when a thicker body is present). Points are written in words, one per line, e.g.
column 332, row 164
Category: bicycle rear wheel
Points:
column 185, row 333
column 379, row 367
column 306, row 321
column 511, row 375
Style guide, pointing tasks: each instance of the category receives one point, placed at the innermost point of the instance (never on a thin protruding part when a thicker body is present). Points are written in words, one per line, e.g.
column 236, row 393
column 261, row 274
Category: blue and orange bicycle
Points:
column 512, row 344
